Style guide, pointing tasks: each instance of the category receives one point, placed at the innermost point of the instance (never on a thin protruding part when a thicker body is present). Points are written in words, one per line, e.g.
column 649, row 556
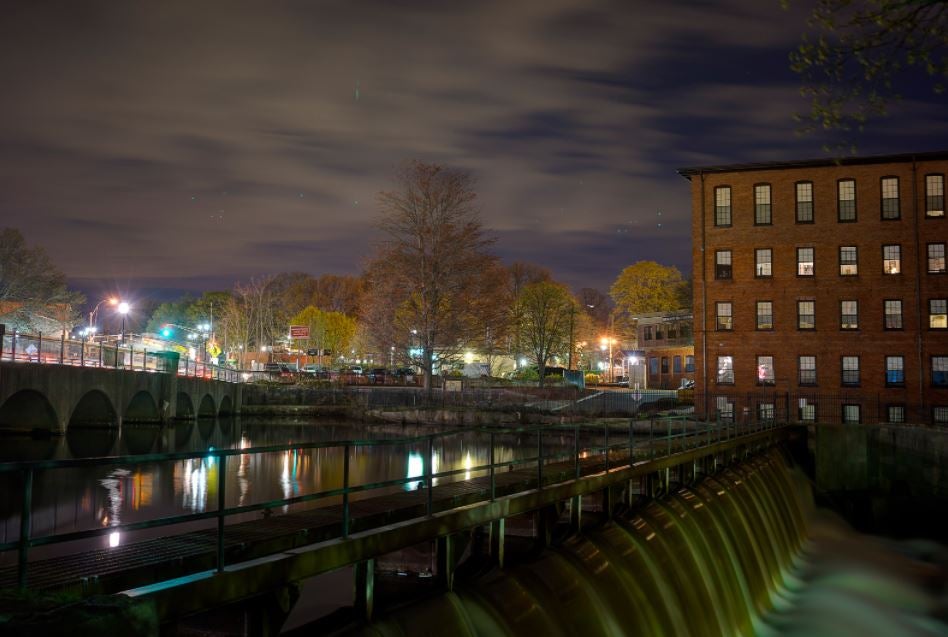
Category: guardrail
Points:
column 35, row 348
column 615, row 447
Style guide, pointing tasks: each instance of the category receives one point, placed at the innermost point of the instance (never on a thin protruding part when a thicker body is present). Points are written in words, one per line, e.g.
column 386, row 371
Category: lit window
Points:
column 805, row 202
column 893, row 314
column 940, row 371
column 896, row 413
column 725, row 370
column 722, row 206
column 848, row 261
column 762, row 213
column 940, row 415
column 850, row 370
column 722, row 264
column 936, row 258
column 725, row 409
column 765, row 370
column 689, row 364
column 763, row 262
column 648, row 333
column 725, row 316
column 890, row 197
column 849, row 315
column 807, row 410
column 851, row 414
column 846, row 199
column 934, row 195
column 765, row 315
column 805, row 262
column 894, row 370
column 806, row 315
column 807, row 365
column 891, row 259
column 653, row 366
column 676, row 365
column 765, row 412
column 938, row 314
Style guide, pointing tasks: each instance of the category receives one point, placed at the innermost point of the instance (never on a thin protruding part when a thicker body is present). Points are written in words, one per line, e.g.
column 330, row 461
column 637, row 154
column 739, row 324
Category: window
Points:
column 725, row 317
column 689, row 364
column 805, row 202
column 848, row 261
column 893, row 314
column 936, row 258
column 934, row 195
column 894, row 371
column 846, row 199
column 849, row 315
column 765, row 370
column 659, row 335
column 762, row 216
column 672, row 331
column 763, row 262
column 851, row 414
column 807, row 370
column 648, row 332
column 850, row 370
column 940, row 415
column 765, row 315
column 938, row 314
column 664, row 364
column 940, row 371
column 676, row 364
column 725, row 409
column 804, row 261
column 765, row 412
column 890, row 198
column 722, row 206
column 653, row 366
column 725, row 370
column 891, row 259
column 806, row 315
column 895, row 413
column 722, row 264
column 807, row 411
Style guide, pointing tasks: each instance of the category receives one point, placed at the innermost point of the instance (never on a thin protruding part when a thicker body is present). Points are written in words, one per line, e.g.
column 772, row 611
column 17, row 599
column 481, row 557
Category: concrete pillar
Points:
column 607, row 502
column 576, row 513
column 266, row 615
column 447, row 561
column 497, row 530
column 543, row 522
column 365, row 589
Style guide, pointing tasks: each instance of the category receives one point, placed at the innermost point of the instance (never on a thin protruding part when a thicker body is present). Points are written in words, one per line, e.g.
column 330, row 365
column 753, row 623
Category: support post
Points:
column 221, row 505
column 345, row 492
column 493, row 481
column 539, row 457
column 26, row 520
column 365, row 588
column 429, row 479
column 62, row 347
column 576, row 451
column 607, row 503
column 497, row 531
column 265, row 615
column 576, row 513
column 446, row 561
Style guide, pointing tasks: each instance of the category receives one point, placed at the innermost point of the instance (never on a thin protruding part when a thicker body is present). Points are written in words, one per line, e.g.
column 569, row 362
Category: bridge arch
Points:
column 28, row 410
column 142, row 408
column 184, row 406
column 226, row 407
column 207, row 408
column 94, row 409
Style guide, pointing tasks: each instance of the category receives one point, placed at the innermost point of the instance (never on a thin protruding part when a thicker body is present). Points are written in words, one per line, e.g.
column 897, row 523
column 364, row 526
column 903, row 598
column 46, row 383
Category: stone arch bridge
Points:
column 54, row 399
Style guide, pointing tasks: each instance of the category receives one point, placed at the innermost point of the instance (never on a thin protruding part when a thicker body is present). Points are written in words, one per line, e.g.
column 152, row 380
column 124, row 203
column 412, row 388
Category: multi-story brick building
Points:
column 820, row 289
column 666, row 350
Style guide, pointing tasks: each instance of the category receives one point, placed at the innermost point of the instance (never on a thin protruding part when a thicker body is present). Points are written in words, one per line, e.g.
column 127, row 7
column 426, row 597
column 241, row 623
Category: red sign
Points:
column 299, row 331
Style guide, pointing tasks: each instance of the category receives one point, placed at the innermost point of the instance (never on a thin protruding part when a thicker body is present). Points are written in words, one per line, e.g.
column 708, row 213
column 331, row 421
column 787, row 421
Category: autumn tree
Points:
column 426, row 290
column 853, row 60
column 546, row 310
column 646, row 287
column 332, row 331
column 33, row 291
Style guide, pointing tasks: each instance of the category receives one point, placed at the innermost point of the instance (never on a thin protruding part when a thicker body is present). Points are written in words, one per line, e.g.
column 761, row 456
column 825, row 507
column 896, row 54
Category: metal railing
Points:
column 582, row 450
column 36, row 348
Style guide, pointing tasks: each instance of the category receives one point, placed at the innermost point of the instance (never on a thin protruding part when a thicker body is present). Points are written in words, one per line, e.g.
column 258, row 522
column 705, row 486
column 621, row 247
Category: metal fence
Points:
column 36, row 348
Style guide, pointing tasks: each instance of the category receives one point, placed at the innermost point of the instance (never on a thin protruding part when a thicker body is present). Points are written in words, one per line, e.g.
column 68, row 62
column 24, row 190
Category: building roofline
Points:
column 814, row 163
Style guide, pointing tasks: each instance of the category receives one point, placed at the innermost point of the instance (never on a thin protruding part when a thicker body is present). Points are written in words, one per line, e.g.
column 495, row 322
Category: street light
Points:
column 603, row 343
column 111, row 301
column 123, row 309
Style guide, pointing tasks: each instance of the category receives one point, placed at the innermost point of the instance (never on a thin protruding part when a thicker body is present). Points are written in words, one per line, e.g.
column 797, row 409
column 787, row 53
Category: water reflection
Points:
column 113, row 484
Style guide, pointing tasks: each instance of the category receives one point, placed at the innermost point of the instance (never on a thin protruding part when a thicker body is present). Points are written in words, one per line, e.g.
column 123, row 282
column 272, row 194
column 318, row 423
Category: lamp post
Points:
column 608, row 341
column 111, row 301
column 123, row 309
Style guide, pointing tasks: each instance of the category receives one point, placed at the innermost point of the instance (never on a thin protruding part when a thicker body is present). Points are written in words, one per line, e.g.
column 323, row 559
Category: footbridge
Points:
column 53, row 385
column 185, row 564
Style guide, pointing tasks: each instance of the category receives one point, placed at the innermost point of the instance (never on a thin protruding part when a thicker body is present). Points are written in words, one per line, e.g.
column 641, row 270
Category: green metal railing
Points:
column 615, row 447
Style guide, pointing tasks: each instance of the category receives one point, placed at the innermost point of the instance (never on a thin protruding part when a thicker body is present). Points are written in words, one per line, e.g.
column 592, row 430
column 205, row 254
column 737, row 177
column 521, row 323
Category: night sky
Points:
column 186, row 145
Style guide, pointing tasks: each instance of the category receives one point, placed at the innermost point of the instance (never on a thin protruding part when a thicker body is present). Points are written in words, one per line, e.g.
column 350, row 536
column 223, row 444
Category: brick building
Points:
column 666, row 347
column 820, row 289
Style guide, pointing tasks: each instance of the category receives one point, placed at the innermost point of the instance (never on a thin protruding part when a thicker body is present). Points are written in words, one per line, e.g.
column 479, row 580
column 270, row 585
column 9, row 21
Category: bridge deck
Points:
column 147, row 561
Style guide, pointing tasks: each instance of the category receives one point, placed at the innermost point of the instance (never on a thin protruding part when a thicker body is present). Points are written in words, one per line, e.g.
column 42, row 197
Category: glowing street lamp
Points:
column 603, row 343
column 123, row 309
column 111, row 301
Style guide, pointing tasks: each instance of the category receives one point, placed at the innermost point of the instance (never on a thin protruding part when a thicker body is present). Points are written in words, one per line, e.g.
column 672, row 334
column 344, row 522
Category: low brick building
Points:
column 820, row 289
column 666, row 350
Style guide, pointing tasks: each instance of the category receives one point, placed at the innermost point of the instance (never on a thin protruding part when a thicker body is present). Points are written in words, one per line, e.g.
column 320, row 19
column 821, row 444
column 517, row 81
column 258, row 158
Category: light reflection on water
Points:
column 86, row 498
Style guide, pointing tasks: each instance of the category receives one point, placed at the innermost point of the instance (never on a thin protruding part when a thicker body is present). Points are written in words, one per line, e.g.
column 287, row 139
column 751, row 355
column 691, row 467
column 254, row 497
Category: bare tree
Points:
column 426, row 290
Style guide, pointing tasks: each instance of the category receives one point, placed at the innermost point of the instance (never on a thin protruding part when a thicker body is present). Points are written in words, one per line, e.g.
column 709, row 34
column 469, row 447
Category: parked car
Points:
column 315, row 371
column 280, row 370
column 377, row 376
column 353, row 369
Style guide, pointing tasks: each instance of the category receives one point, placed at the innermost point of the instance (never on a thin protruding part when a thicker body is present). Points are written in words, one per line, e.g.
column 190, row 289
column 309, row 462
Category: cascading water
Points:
column 744, row 552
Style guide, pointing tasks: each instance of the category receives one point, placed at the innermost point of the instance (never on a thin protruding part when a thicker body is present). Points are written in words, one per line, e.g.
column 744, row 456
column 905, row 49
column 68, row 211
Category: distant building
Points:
column 820, row 289
column 666, row 351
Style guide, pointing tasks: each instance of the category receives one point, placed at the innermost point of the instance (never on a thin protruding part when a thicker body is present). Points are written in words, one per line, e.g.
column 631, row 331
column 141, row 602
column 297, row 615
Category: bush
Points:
column 526, row 373
column 593, row 379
